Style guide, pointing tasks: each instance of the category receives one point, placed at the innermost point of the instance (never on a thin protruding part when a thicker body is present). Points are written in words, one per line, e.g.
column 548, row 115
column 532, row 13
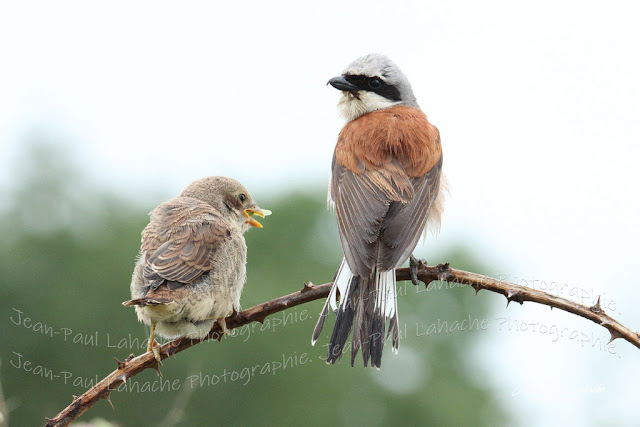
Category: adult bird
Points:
column 387, row 189
column 192, row 262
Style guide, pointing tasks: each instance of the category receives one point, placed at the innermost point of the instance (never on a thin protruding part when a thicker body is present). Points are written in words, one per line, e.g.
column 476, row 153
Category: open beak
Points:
column 342, row 84
column 255, row 211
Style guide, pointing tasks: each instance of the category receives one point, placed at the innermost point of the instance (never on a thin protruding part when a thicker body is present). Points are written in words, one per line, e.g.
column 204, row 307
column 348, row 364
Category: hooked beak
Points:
column 255, row 211
column 341, row 83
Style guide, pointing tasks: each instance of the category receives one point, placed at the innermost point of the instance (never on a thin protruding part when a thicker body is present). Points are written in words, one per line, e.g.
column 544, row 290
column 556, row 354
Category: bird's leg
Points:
column 223, row 325
column 153, row 345
column 414, row 264
column 151, row 336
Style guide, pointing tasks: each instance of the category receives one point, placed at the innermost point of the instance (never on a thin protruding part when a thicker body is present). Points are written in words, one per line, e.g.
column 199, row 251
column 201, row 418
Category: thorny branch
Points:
column 134, row 365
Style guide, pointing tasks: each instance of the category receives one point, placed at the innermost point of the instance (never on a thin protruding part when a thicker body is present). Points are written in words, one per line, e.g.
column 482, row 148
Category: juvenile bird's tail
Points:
column 365, row 305
column 145, row 301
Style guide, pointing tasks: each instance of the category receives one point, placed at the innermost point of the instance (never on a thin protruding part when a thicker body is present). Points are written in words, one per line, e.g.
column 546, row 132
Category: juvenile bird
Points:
column 192, row 262
column 387, row 189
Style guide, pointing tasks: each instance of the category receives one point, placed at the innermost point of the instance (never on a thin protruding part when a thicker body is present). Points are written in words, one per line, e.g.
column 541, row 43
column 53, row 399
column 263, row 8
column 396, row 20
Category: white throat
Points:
column 351, row 107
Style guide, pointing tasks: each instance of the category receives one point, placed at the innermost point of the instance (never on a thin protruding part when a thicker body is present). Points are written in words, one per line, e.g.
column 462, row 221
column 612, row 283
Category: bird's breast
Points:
column 401, row 132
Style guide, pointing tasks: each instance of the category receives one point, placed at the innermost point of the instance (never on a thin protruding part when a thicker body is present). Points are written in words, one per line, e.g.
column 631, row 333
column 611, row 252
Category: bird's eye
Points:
column 242, row 197
column 375, row 83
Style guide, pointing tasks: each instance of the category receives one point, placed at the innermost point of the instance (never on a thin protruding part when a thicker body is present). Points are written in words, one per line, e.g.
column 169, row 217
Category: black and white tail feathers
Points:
column 365, row 305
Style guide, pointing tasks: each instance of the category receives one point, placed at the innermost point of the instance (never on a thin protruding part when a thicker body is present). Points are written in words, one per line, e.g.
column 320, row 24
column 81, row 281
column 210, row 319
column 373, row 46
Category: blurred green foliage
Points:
column 68, row 250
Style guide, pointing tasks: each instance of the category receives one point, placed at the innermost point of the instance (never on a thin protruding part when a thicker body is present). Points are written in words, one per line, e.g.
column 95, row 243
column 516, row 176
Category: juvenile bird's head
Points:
column 372, row 82
column 229, row 197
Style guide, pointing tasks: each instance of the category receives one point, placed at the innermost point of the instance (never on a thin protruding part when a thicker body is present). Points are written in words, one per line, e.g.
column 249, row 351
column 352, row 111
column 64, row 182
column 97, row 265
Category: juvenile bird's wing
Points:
column 385, row 176
column 181, row 240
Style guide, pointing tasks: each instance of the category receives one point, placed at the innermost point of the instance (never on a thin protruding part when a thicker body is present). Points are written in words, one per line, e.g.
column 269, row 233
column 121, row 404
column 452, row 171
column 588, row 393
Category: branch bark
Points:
column 516, row 293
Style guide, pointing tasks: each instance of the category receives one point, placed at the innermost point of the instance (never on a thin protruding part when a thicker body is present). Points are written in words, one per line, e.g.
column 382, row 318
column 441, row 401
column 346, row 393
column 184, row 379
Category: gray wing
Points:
column 381, row 213
column 404, row 222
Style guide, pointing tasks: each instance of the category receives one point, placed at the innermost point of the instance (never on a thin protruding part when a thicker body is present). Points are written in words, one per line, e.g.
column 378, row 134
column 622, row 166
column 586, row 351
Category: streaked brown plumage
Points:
column 191, row 267
column 181, row 240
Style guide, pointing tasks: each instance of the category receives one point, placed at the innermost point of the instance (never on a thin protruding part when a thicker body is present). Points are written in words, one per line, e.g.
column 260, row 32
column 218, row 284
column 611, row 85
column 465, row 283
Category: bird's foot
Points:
column 154, row 347
column 223, row 325
column 414, row 265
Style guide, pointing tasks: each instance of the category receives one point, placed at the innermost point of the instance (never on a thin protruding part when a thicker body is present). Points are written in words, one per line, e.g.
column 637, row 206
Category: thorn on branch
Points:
column 444, row 273
column 120, row 364
column 307, row 287
column 515, row 296
column 476, row 288
column 107, row 396
column 596, row 308
column 614, row 335
column 157, row 368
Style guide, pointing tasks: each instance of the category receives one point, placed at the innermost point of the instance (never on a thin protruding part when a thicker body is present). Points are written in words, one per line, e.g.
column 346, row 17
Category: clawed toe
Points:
column 156, row 351
column 223, row 326
column 414, row 265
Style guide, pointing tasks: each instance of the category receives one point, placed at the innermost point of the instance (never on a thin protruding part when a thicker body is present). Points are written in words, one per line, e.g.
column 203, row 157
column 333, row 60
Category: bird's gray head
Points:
column 229, row 197
column 372, row 82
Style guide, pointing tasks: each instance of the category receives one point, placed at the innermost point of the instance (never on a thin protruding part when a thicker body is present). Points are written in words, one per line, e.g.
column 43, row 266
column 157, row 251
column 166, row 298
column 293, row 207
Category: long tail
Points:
column 365, row 305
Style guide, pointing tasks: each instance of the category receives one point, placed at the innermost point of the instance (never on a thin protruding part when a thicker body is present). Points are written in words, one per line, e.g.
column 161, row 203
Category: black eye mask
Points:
column 376, row 85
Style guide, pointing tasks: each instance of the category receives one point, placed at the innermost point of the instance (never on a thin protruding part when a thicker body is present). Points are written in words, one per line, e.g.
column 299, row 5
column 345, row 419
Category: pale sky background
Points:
column 537, row 103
